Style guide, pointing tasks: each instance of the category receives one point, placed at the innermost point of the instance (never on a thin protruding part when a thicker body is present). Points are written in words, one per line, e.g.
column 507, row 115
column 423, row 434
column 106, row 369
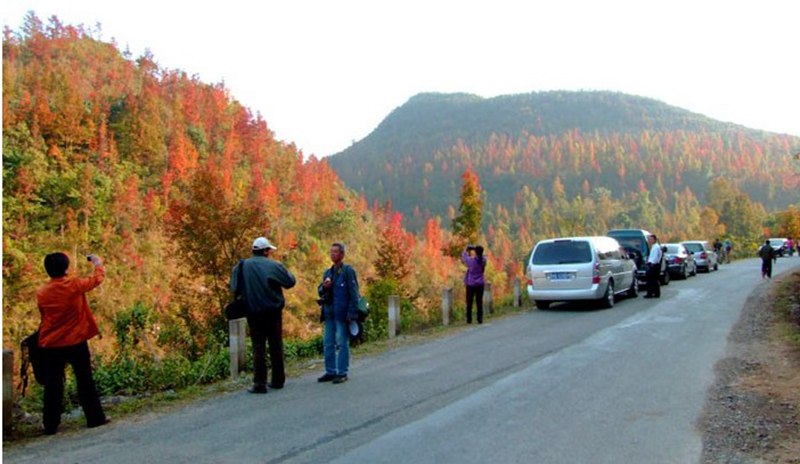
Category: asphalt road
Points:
column 567, row 385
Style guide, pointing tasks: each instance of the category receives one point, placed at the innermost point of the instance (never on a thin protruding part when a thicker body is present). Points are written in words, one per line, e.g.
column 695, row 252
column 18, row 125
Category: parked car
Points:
column 705, row 258
column 635, row 241
column 580, row 268
column 780, row 246
column 680, row 262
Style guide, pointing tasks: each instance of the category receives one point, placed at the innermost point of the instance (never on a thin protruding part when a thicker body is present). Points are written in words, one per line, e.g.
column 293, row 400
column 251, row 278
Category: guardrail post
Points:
column 447, row 305
column 8, row 389
column 394, row 314
column 238, row 331
column 487, row 298
column 517, row 293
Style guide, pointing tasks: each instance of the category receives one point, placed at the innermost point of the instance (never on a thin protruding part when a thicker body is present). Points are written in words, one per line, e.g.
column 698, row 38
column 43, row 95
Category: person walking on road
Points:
column 767, row 255
column 474, row 279
column 264, row 281
column 653, row 270
column 67, row 325
column 338, row 296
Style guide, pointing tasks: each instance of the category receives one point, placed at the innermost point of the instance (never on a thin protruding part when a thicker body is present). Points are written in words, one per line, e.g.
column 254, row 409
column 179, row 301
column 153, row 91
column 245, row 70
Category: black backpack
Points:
column 31, row 355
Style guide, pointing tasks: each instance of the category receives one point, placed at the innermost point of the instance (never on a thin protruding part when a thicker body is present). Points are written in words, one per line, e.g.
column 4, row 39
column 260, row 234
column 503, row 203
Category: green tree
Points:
column 467, row 223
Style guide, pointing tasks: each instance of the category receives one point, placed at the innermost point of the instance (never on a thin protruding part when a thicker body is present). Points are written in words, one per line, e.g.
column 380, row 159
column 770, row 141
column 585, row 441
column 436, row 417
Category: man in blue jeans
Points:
column 338, row 295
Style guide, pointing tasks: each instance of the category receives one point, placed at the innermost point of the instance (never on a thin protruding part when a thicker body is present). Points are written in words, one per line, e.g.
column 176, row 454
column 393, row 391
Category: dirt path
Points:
column 753, row 409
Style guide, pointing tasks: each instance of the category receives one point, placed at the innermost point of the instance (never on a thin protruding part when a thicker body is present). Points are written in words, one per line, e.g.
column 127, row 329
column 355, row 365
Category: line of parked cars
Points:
column 600, row 268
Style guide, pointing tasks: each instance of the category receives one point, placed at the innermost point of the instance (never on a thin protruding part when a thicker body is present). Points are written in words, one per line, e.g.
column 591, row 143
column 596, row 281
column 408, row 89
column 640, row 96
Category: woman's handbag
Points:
column 237, row 308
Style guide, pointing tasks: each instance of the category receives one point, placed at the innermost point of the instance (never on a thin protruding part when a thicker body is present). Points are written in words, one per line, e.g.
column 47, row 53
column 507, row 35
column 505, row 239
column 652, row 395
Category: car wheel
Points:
column 665, row 279
column 685, row 272
column 633, row 291
column 608, row 298
column 542, row 304
column 716, row 267
column 694, row 271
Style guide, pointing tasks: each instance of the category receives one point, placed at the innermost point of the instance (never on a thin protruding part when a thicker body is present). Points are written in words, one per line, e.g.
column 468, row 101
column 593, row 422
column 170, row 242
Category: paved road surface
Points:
column 567, row 385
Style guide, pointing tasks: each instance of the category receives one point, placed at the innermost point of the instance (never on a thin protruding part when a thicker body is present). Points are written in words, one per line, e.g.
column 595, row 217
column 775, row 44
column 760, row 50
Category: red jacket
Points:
column 66, row 318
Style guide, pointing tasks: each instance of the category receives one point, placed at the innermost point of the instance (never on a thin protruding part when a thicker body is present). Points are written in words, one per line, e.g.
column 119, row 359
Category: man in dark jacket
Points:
column 339, row 295
column 767, row 255
column 264, row 281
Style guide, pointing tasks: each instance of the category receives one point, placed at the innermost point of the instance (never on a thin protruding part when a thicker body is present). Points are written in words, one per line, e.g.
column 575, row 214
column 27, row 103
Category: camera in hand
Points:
column 327, row 298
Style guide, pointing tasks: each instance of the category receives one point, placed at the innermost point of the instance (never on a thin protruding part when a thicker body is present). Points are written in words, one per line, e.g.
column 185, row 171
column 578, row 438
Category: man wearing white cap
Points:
column 264, row 280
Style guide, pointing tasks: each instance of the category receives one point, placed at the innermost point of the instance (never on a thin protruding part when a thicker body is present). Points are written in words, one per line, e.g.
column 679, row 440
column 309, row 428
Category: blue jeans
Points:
column 336, row 345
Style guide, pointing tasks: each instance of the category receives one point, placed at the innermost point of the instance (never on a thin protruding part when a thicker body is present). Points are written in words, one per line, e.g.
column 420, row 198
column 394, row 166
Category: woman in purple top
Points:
column 474, row 279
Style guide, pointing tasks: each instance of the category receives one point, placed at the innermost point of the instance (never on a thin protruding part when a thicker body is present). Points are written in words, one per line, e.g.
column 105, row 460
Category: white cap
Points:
column 261, row 243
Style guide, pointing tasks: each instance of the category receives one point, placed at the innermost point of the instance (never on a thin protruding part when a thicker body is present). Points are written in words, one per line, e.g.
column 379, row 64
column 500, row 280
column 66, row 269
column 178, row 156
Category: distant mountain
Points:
column 621, row 143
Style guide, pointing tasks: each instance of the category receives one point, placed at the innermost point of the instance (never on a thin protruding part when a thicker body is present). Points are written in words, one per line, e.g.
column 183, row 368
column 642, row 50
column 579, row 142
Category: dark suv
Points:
column 635, row 243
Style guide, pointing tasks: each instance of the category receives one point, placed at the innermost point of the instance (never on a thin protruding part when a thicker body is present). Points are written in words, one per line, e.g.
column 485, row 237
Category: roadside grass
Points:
column 787, row 307
column 27, row 424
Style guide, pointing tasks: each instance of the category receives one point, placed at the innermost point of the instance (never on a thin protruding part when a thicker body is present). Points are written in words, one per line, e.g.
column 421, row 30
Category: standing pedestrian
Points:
column 264, row 281
column 790, row 245
column 653, row 268
column 728, row 250
column 474, row 279
column 767, row 255
column 339, row 295
column 718, row 250
column 67, row 325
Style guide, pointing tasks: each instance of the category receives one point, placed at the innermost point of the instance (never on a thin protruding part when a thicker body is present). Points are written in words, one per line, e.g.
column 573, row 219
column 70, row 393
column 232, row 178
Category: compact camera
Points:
column 326, row 299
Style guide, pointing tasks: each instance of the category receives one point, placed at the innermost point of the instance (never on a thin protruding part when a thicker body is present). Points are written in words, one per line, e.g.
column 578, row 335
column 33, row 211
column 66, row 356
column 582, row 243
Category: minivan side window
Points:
column 606, row 249
column 562, row 252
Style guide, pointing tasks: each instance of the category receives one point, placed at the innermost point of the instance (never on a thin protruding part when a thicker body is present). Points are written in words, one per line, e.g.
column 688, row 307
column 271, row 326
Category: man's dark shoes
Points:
column 340, row 379
column 275, row 386
column 98, row 424
column 258, row 389
column 327, row 378
column 649, row 296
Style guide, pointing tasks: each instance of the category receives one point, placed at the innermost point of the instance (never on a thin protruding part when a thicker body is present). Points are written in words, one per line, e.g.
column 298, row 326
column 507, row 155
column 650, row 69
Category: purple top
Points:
column 475, row 267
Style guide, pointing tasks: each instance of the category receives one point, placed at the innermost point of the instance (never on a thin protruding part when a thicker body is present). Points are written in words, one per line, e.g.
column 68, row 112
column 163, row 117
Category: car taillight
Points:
column 596, row 273
column 530, row 281
column 704, row 255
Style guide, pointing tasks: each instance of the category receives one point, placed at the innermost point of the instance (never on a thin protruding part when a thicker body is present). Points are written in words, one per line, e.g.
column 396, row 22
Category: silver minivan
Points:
column 580, row 268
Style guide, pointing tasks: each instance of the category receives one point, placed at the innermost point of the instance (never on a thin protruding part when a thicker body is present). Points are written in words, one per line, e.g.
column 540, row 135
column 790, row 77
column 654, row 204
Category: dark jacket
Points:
column 264, row 281
column 342, row 303
column 766, row 253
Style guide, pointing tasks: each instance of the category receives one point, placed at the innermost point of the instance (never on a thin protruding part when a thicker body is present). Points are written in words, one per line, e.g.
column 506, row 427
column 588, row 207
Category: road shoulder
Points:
column 752, row 413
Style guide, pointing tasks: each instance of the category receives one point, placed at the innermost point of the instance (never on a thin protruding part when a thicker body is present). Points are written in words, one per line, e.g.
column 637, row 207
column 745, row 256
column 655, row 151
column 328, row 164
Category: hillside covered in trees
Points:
column 542, row 147
column 555, row 163
column 170, row 179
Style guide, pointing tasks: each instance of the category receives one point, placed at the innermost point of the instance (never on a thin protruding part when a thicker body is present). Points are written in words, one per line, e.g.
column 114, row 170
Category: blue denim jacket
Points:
column 345, row 294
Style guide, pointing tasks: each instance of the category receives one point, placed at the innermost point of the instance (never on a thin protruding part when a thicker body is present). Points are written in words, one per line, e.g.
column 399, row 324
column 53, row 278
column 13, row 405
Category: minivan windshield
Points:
column 563, row 252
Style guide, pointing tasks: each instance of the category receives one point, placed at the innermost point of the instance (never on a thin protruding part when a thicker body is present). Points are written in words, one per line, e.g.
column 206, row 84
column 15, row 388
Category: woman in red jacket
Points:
column 67, row 325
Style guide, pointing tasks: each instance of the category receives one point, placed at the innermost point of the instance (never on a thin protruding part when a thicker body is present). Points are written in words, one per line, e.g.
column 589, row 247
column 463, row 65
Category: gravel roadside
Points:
column 752, row 414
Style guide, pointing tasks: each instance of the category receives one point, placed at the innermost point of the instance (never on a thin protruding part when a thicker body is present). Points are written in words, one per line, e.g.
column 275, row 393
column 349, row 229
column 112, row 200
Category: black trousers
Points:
column 653, row 285
column 766, row 267
column 266, row 328
column 476, row 292
column 55, row 361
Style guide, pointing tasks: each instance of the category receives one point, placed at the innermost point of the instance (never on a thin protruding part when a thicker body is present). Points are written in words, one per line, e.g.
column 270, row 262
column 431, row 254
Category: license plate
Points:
column 559, row 276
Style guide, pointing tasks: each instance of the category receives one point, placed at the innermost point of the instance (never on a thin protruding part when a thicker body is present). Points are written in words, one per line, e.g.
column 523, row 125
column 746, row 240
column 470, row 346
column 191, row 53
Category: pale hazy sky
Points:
column 325, row 73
